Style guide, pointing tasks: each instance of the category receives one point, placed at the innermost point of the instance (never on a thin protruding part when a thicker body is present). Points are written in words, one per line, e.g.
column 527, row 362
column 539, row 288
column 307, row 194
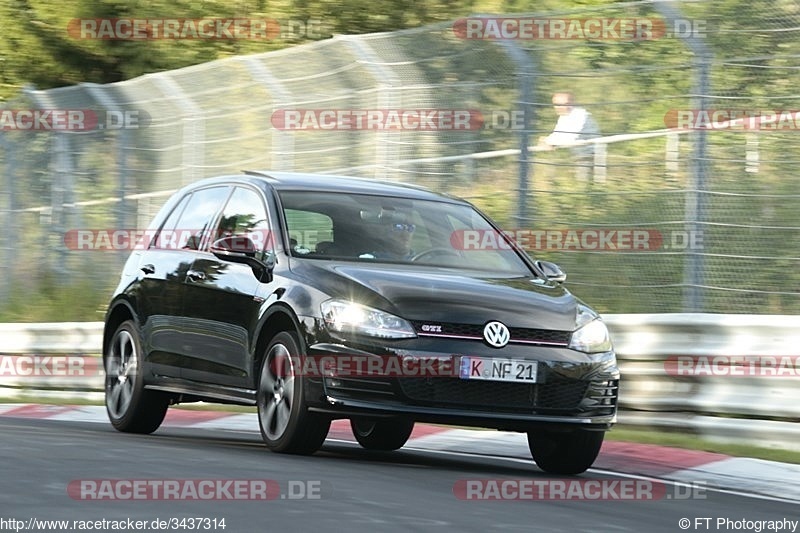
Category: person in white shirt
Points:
column 575, row 123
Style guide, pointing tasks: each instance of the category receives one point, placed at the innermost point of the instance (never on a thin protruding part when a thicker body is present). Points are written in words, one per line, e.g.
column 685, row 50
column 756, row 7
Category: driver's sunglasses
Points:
column 404, row 227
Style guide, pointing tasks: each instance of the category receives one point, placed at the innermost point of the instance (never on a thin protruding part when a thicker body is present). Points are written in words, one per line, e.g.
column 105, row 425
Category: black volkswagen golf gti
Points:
column 316, row 297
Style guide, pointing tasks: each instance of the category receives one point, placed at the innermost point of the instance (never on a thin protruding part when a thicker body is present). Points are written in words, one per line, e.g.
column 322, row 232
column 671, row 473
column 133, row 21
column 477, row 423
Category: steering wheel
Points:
column 432, row 251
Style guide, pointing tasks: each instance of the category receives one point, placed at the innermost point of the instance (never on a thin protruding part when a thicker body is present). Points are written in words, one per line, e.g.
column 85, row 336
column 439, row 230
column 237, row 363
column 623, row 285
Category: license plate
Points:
column 494, row 369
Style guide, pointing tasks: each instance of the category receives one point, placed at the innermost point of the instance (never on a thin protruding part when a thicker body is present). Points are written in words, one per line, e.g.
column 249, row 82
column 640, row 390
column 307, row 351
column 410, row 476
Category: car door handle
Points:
column 148, row 269
column 196, row 275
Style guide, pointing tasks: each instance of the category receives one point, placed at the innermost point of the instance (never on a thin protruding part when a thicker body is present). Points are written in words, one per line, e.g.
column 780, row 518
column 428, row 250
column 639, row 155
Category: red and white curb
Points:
column 755, row 476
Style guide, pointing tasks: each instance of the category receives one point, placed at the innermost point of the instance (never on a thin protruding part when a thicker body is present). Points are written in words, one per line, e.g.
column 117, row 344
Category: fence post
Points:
column 107, row 101
column 526, row 74
column 62, row 186
column 696, row 198
column 63, row 198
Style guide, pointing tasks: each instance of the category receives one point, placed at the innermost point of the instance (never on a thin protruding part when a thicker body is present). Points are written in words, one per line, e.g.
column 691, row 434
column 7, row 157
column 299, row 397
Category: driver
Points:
column 394, row 241
column 398, row 242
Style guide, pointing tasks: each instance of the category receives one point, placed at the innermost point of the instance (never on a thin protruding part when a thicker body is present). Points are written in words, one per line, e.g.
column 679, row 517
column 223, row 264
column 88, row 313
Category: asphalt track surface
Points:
column 358, row 490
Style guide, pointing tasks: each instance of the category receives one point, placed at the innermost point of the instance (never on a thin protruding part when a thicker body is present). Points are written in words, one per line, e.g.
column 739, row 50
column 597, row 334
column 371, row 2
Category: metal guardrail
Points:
column 57, row 360
column 762, row 410
column 52, row 338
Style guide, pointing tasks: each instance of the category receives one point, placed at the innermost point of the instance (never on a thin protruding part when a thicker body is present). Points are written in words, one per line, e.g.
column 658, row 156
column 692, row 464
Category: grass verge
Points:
column 624, row 433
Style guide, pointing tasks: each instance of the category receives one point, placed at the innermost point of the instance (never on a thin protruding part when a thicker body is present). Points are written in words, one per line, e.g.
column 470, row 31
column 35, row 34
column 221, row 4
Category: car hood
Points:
column 431, row 294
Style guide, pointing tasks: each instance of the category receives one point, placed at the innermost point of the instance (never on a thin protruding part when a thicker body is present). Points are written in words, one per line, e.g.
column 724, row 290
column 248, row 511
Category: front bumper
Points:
column 572, row 389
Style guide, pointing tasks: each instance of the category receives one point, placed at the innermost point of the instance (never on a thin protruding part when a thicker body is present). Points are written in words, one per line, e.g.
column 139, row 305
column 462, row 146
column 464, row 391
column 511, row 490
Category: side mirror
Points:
column 551, row 271
column 242, row 249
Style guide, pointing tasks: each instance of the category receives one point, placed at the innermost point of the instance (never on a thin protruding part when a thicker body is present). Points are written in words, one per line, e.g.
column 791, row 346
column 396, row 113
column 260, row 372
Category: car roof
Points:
column 298, row 181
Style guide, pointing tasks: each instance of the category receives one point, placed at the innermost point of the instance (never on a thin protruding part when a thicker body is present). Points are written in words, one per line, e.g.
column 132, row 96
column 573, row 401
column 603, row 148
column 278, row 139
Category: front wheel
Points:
column 286, row 423
column 383, row 435
column 565, row 453
column 130, row 407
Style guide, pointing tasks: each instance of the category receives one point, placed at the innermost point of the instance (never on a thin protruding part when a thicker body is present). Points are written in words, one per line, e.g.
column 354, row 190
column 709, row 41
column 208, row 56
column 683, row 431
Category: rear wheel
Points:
column 286, row 423
column 130, row 407
column 384, row 435
column 568, row 453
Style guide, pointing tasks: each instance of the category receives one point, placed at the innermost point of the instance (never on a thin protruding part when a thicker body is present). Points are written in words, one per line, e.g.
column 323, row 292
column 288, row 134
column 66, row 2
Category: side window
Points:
column 195, row 220
column 245, row 215
column 307, row 230
column 168, row 229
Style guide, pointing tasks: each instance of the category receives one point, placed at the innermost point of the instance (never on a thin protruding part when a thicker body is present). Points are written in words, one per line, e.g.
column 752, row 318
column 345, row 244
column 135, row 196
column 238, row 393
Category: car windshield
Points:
column 382, row 229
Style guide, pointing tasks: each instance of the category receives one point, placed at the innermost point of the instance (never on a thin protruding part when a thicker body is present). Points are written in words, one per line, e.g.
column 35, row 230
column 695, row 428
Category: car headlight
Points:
column 592, row 337
column 348, row 317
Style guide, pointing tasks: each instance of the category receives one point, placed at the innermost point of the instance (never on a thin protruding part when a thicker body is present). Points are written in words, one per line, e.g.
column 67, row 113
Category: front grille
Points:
column 540, row 336
column 526, row 335
column 555, row 395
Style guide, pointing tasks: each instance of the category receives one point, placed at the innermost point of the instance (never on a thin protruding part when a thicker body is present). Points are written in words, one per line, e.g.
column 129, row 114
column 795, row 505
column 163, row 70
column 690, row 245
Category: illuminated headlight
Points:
column 348, row 317
column 593, row 337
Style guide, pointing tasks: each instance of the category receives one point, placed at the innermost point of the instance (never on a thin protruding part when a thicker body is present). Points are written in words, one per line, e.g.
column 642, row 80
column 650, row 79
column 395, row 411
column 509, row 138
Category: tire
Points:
column 565, row 453
column 130, row 407
column 383, row 435
column 287, row 426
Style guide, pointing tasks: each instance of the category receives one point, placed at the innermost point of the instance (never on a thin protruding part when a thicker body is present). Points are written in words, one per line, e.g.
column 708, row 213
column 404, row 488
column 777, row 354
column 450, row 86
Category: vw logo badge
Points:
column 496, row 334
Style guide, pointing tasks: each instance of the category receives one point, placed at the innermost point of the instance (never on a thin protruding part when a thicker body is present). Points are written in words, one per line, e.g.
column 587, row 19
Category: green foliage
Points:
column 51, row 301
column 36, row 48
